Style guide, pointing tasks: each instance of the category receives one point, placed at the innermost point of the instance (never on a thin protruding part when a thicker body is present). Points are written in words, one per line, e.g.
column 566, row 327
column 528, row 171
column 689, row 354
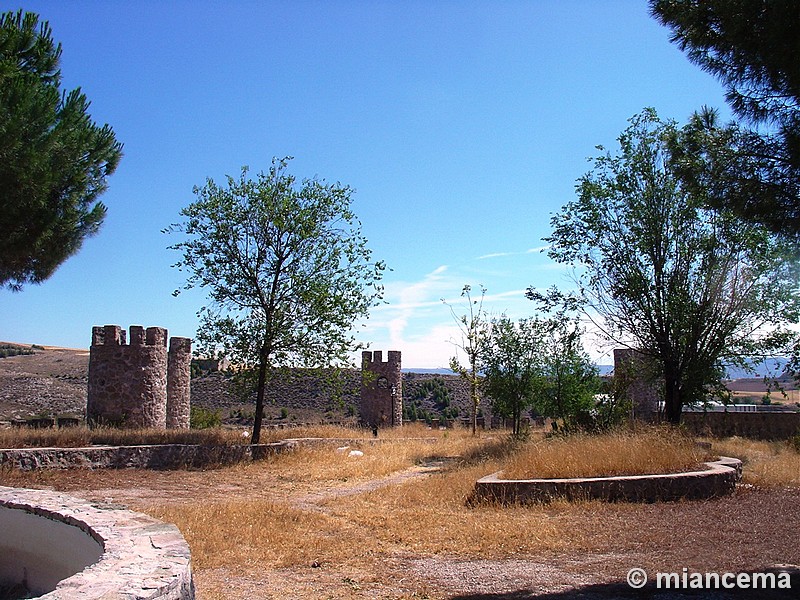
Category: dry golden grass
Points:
column 56, row 438
column 368, row 520
column 320, row 523
column 76, row 437
column 768, row 464
column 429, row 516
column 336, row 516
column 647, row 451
column 73, row 437
column 390, row 453
column 251, row 533
column 346, row 510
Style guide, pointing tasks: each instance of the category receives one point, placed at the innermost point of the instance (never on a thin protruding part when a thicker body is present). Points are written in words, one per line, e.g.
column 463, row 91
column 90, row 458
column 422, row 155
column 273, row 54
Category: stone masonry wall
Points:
column 757, row 425
column 381, row 390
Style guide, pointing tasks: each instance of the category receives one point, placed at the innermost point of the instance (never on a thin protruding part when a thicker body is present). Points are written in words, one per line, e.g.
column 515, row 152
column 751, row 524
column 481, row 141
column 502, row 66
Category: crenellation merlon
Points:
column 369, row 357
column 156, row 336
column 137, row 335
column 111, row 335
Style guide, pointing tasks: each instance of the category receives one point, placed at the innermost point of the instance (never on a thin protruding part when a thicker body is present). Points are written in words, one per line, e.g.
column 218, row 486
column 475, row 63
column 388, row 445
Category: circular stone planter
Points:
column 717, row 479
column 66, row 548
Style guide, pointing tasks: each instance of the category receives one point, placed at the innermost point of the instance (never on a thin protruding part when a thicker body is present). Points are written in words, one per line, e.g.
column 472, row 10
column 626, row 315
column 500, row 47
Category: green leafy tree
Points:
column 287, row 270
column 691, row 287
column 512, row 366
column 570, row 380
column 753, row 47
column 53, row 159
column 472, row 326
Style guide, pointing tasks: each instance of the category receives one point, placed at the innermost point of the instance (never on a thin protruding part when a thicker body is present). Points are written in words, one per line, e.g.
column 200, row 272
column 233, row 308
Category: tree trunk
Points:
column 673, row 403
column 262, row 384
column 473, row 390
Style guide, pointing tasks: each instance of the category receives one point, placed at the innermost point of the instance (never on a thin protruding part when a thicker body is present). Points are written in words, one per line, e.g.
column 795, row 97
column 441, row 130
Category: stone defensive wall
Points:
column 168, row 456
column 757, row 425
column 717, row 479
column 59, row 547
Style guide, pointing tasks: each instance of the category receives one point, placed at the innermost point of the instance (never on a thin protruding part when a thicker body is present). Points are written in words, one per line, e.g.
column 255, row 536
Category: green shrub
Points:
column 7, row 350
column 203, row 418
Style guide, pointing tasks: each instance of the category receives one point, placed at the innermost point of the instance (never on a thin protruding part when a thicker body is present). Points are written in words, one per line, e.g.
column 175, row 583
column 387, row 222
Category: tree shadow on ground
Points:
column 621, row 591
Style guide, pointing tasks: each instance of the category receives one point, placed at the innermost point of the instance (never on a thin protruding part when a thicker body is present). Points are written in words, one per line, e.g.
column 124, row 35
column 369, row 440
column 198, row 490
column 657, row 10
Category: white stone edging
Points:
column 142, row 556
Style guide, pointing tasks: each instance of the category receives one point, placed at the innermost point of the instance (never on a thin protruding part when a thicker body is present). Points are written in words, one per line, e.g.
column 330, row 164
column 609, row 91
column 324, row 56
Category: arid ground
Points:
column 394, row 523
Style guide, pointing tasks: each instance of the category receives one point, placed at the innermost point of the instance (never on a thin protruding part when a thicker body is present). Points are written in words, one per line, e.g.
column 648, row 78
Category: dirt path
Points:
column 314, row 500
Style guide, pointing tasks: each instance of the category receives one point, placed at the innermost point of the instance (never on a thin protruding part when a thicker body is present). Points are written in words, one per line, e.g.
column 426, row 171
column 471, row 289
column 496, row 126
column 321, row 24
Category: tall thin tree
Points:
column 287, row 269
column 472, row 327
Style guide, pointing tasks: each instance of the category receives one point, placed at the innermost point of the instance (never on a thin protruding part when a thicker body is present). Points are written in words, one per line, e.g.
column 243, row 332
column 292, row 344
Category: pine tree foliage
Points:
column 753, row 47
column 54, row 160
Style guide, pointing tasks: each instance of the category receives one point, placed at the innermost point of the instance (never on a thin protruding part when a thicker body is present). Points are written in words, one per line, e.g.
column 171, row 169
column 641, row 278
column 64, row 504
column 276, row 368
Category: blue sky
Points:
column 462, row 126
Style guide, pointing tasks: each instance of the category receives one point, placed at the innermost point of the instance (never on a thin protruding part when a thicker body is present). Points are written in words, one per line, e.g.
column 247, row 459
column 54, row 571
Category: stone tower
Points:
column 381, row 390
column 179, row 369
column 638, row 378
column 128, row 382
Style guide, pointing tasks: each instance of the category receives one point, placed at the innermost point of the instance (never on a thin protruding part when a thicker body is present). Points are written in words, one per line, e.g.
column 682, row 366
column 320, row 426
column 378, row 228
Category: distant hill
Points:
column 601, row 369
column 772, row 367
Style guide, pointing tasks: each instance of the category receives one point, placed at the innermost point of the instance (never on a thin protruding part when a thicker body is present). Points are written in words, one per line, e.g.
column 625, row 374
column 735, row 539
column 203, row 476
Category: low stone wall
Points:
column 170, row 456
column 757, row 425
column 139, row 556
column 718, row 479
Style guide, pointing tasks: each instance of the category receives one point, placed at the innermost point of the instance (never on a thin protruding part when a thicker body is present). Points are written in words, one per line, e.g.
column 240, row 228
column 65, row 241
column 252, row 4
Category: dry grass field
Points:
column 393, row 523
column 650, row 451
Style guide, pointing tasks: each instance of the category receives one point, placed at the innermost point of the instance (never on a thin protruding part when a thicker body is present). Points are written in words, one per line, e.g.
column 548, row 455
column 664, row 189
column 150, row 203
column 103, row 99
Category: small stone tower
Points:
column 179, row 373
column 129, row 384
column 638, row 378
column 381, row 390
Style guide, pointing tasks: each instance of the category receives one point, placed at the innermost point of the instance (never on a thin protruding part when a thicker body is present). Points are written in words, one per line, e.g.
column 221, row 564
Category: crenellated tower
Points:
column 381, row 390
column 137, row 383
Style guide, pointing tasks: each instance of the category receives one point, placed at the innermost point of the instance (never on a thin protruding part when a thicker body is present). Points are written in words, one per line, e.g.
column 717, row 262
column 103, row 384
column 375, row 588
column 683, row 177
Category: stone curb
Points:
column 718, row 479
column 142, row 556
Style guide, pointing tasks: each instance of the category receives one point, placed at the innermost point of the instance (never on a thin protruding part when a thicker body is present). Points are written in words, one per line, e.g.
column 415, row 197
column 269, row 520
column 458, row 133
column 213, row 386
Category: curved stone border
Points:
column 167, row 456
column 142, row 556
column 718, row 479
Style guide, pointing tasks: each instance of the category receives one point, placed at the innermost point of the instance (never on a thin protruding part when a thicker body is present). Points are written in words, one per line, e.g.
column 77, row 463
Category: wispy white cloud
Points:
column 416, row 321
column 536, row 250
